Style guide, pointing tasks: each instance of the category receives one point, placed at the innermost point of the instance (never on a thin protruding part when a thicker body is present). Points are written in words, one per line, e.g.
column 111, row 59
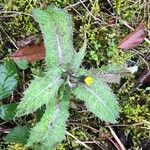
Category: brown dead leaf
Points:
column 31, row 53
column 144, row 77
column 134, row 38
column 26, row 41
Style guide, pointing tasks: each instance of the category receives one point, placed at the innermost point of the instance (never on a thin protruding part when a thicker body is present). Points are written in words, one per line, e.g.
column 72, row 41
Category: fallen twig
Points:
column 116, row 138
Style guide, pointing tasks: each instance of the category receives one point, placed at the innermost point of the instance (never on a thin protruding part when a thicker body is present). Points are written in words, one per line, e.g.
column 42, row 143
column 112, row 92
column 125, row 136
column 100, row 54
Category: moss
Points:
column 16, row 147
column 132, row 11
column 135, row 111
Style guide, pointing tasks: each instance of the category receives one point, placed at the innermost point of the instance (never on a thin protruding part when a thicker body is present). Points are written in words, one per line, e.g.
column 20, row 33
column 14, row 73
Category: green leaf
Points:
column 19, row 134
column 7, row 112
column 110, row 77
column 8, row 79
column 111, row 73
column 51, row 129
column 98, row 98
column 22, row 64
column 40, row 91
column 112, row 68
column 77, row 60
column 56, row 26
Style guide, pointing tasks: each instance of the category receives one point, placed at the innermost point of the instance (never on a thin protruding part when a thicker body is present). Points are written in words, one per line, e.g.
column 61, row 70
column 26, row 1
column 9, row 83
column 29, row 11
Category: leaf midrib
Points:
column 94, row 94
column 48, row 86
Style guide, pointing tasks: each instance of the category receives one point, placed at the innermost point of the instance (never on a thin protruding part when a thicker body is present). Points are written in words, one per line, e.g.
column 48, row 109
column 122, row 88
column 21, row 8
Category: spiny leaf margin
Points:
column 56, row 26
column 40, row 91
column 98, row 98
column 51, row 129
column 78, row 57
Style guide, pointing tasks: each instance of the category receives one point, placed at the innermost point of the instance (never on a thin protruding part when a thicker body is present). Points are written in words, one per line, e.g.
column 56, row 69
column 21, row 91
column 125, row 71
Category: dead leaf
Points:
column 145, row 77
column 134, row 38
column 31, row 53
column 26, row 41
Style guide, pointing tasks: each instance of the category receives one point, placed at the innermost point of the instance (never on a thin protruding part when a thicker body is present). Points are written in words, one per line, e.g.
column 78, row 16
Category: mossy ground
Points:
column 104, row 23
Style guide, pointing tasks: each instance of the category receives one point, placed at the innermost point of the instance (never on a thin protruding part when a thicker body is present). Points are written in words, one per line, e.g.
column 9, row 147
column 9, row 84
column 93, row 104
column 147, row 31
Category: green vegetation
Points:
column 55, row 87
column 104, row 25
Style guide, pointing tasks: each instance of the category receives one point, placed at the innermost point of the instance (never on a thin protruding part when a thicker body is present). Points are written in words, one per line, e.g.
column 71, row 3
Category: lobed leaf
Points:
column 19, row 134
column 111, row 73
column 56, row 26
column 8, row 79
column 110, row 77
column 112, row 68
column 51, row 129
column 40, row 91
column 7, row 112
column 98, row 98
column 78, row 57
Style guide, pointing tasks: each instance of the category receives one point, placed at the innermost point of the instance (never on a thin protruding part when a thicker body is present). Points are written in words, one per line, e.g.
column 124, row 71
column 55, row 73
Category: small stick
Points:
column 116, row 138
column 73, row 5
column 78, row 141
column 15, row 12
column 9, row 38
column 114, row 143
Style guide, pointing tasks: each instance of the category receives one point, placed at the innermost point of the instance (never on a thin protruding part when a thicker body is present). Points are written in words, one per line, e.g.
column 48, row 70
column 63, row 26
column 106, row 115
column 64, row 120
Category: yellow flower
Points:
column 88, row 80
